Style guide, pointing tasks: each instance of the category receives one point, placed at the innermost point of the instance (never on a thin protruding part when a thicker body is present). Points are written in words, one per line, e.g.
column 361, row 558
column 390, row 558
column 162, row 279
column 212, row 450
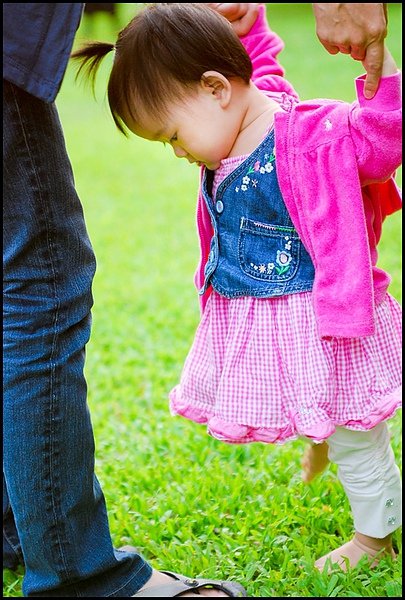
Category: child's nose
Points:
column 179, row 151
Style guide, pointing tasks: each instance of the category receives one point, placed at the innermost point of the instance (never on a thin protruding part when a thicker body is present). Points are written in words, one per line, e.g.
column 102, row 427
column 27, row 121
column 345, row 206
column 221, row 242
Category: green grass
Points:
column 188, row 502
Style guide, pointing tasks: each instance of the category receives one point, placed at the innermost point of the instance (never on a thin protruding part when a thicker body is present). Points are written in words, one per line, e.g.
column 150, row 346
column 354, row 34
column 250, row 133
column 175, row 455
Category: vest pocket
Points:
column 268, row 252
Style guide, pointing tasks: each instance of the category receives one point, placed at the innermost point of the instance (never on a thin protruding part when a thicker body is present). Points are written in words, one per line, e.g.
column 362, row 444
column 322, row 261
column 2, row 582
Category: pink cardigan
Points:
column 335, row 164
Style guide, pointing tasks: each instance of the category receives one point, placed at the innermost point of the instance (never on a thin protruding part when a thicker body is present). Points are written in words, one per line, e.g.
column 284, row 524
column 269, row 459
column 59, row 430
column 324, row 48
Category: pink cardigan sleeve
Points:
column 263, row 46
column 376, row 129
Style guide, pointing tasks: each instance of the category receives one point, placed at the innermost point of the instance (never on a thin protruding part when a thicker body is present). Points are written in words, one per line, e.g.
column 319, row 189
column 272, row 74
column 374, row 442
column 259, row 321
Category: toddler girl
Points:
column 298, row 334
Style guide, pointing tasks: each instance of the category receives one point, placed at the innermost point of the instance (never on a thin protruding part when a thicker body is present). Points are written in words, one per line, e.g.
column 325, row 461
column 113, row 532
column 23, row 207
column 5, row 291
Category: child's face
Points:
column 199, row 129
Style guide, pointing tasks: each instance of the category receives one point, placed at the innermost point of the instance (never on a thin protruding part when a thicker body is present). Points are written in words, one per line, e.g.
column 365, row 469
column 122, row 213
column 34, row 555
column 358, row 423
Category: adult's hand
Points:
column 241, row 15
column 358, row 30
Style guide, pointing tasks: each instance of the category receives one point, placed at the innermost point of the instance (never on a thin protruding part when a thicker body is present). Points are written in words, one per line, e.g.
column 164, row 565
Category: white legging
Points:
column 370, row 478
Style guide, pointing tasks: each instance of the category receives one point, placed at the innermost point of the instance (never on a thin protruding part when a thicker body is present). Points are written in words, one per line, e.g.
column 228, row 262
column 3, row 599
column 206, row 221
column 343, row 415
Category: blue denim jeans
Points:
column 54, row 514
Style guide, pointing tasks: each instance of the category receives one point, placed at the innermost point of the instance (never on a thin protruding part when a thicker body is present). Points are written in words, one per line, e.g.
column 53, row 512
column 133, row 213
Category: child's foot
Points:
column 314, row 461
column 356, row 549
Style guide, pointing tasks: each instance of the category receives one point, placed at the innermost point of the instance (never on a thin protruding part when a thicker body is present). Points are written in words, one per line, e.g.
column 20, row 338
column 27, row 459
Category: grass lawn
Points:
column 191, row 503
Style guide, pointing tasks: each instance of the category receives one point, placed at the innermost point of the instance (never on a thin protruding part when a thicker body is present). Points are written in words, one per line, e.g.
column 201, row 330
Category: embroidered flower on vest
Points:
column 259, row 168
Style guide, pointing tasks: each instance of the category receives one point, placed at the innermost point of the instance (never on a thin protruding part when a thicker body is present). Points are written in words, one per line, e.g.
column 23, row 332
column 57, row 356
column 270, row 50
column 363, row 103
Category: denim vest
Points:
column 255, row 249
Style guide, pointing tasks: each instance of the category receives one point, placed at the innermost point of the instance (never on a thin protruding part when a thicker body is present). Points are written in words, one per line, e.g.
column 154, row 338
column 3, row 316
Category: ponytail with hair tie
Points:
column 90, row 56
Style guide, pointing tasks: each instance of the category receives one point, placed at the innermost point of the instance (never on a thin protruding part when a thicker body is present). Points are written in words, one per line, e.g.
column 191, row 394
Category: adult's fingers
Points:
column 358, row 52
column 331, row 48
column 373, row 63
column 243, row 25
column 230, row 10
column 241, row 15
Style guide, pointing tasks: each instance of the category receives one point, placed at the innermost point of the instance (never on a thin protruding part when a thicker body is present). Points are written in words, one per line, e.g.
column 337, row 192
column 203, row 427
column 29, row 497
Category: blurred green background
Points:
column 188, row 502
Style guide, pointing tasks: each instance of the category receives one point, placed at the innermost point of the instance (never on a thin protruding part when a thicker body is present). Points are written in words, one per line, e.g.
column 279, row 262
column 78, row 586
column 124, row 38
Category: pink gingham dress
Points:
column 258, row 371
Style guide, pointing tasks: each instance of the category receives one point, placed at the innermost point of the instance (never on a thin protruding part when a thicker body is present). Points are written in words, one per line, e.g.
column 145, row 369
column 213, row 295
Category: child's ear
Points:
column 219, row 86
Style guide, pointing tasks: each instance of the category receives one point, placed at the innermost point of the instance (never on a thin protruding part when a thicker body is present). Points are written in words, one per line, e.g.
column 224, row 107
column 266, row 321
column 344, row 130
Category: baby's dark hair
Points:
column 161, row 55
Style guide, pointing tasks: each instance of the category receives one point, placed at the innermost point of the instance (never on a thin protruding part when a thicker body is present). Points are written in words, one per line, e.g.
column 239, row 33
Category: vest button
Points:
column 219, row 206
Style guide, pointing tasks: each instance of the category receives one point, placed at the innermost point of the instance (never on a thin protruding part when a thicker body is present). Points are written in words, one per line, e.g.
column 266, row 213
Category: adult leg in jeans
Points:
column 55, row 518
